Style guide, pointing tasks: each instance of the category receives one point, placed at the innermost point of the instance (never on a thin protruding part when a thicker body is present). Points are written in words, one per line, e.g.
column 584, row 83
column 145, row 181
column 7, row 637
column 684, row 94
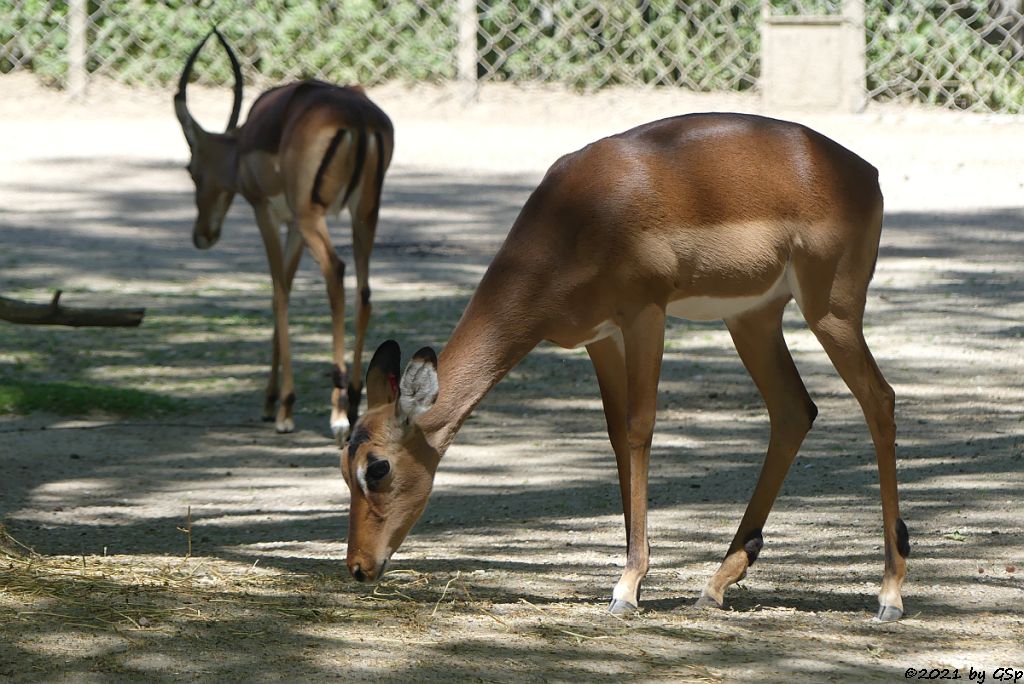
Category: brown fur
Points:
column 304, row 145
column 721, row 206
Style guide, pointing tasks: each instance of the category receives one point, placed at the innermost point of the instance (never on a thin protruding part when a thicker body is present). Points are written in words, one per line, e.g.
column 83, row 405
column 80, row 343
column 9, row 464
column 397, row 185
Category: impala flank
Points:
column 307, row 149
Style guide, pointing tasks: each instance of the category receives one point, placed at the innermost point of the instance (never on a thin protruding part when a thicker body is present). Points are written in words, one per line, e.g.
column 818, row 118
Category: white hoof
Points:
column 339, row 426
column 286, row 425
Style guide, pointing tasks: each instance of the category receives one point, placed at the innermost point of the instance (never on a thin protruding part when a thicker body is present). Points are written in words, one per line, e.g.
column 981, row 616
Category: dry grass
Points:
column 141, row 602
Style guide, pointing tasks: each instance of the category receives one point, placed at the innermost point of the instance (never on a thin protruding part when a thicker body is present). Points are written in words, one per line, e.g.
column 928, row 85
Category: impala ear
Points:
column 382, row 374
column 419, row 385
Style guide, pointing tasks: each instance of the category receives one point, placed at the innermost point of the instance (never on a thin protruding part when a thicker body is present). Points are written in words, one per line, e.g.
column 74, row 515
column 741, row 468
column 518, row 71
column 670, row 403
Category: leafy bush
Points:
column 146, row 42
column 952, row 54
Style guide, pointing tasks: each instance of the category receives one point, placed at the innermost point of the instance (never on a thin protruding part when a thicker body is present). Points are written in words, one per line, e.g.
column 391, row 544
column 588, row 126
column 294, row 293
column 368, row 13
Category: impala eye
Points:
column 377, row 471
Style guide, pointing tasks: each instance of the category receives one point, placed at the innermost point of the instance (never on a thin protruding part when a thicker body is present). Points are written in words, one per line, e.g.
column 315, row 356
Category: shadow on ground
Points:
column 527, row 500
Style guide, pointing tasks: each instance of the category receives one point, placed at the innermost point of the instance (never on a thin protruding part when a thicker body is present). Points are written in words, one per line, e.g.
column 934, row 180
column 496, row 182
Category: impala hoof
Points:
column 284, row 426
column 619, row 607
column 889, row 614
column 707, row 601
column 340, row 427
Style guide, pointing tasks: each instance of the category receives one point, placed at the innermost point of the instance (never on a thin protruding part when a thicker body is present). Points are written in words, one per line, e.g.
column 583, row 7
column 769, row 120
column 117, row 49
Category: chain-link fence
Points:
column 966, row 54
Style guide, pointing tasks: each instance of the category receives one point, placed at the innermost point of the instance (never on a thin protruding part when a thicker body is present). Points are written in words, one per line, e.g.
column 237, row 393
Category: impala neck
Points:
column 224, row 152
column 493, row 335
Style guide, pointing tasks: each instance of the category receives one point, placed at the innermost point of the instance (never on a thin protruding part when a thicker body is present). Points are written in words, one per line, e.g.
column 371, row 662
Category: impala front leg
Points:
column 314, row 231
column 281, row 355
column 292, row 256
column 643, row 338
column 610, row 367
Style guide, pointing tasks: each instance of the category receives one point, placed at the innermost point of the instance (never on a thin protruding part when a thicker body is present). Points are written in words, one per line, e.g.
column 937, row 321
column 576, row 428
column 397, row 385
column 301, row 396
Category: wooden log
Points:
column 25, row 313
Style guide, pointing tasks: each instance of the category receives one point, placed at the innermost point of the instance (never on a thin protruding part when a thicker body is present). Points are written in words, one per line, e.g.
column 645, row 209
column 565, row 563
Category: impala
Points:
column 704, row 216
column 307, row 149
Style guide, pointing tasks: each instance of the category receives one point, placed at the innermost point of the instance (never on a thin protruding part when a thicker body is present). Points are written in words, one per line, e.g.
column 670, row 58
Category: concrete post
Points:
column 467, row 53
column 77, row 46
column 855, row 55
column 814, row 62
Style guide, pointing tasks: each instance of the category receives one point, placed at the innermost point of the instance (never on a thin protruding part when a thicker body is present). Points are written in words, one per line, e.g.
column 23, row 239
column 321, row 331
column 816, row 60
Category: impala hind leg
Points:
column 643, row 341
column 843, row 340
column 364, row 212
column 314, row 232
column 762, row 348
column 292, row 256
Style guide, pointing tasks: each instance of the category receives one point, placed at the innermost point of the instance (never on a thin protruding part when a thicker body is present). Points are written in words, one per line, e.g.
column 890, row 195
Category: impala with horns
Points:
column 307, row 149
column 703, row 216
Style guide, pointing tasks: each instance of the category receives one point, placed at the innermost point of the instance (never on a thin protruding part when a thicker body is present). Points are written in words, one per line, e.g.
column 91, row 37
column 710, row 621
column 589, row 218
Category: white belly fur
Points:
column 706, row 308
column 602, row 331
column 716, row 308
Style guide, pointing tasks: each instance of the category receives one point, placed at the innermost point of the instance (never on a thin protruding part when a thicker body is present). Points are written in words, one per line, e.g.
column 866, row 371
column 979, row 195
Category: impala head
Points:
column 213, row 166
column 388, row 465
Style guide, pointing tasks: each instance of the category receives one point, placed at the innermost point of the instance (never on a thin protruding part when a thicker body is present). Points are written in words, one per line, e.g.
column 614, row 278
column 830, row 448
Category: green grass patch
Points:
column 76, row 398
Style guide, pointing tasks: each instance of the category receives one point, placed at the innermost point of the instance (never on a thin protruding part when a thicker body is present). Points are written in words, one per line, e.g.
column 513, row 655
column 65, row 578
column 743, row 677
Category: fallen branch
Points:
column 24, row 313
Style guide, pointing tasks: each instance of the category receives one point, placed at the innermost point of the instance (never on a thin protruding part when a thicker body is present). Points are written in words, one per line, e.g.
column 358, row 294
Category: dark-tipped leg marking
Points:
column 338, row 377
column 355, row 397
column 271, row 401
column 288, row 401
column 341, row 271
column 365, row 294
column 902, row 538
column 753, row 546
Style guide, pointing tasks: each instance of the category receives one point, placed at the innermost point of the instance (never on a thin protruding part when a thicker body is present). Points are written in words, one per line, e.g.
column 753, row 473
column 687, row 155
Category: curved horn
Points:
column 188, row 123
column 236, row 69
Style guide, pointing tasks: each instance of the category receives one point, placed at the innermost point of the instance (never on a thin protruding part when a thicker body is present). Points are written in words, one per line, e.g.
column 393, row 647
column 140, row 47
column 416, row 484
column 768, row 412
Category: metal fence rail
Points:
column 963, row 54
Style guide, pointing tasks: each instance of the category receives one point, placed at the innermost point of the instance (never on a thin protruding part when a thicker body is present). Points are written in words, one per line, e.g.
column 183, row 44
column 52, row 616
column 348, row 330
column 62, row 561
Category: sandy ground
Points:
column 506, row 576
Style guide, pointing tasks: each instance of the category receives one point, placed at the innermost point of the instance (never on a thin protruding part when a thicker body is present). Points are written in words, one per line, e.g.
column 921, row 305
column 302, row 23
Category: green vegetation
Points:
column 146, row 42
column 703, row 45
column 82, row 399
column 944, row 54
column 962, row 55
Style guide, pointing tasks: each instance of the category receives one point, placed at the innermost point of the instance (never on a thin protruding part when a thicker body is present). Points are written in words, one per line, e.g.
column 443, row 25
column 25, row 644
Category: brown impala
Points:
column 307, row 149
column 705, row 216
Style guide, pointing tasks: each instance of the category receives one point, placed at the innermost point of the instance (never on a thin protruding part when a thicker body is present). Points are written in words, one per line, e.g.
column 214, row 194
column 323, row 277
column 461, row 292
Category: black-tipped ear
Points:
column 419, row 385
column 382, row 374
column 427, row 355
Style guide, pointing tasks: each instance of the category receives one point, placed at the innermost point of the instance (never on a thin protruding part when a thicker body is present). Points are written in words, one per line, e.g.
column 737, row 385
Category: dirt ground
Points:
column 197, row 544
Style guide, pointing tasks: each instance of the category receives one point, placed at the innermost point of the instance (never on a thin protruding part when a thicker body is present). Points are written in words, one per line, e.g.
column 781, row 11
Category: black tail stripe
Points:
column 331, row 149
column 357, row 172
column 381, row 159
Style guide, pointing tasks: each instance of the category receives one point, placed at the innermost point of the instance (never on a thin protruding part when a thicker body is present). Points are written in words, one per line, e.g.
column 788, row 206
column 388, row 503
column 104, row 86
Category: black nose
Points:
column 358, row 573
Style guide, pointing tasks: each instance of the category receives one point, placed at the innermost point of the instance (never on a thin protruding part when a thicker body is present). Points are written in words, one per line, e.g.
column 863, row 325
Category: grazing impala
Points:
column 307, row 149
column 705, row 216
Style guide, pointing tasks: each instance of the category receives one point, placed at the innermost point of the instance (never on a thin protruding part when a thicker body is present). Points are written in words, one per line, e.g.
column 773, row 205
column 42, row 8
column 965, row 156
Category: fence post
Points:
column 466, row 21
column 77, row 26
column 856, row 68
column 814, row 61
